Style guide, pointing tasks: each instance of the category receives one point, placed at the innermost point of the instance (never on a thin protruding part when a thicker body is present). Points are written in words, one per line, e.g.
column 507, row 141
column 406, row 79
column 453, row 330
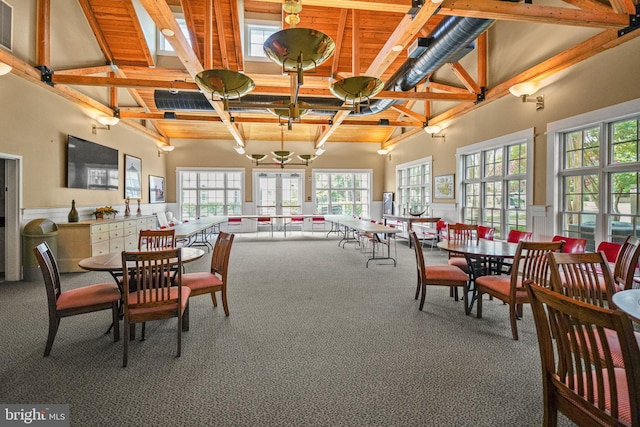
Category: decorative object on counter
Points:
column 139, row 211
column 73, row 213
column 105, row 212
column 127, row 211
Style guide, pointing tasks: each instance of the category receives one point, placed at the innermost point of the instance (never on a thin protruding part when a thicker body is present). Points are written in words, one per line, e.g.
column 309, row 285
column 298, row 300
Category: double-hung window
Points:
column 413, row 186
column 208, row 192
column 494, row 182
column 343, row 192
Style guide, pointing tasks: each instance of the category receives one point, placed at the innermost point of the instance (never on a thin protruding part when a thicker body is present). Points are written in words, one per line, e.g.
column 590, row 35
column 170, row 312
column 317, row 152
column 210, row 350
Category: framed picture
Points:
column 132, row 177
column 387, row 203
column 443, row 187
column 156, row 189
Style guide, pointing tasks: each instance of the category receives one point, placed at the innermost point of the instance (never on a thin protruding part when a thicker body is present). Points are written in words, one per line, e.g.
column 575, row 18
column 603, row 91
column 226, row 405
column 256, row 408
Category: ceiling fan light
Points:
column 524, row 88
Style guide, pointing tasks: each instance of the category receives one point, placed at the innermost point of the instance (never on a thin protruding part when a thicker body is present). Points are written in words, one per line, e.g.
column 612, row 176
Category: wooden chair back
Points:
column 462, row 233
column 516, row 236
column 485, row 232
column 585, row 277
column 221, row 253
column 531, row 264
column 576, row 380
column 626, row 263
column 50, row 274
column 148, row 278
column 572, row 245
column 156, row 239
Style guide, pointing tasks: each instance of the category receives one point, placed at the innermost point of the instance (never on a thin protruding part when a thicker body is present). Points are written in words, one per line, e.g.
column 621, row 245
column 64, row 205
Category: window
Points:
column 256, row 36
column 210, row 192
column 414, row 186
column 598, row 181
column 163, row 44
column 342, row 192
column 494, row 182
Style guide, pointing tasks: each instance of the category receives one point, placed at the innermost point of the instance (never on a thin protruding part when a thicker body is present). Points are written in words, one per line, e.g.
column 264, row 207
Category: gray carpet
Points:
column 314, row 339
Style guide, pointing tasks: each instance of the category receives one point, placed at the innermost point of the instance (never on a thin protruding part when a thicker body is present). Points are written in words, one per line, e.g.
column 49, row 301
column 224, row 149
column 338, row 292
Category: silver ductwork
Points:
column 448, row 41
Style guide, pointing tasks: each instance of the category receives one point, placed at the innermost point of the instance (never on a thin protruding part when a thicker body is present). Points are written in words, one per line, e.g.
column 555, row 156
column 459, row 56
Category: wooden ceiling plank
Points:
column 221, row 32
column 139, row 34
column 522, row 12
column 97, row 31
column 43, row 33
column 627, row 7
column 163, row 17
column 355, row 43
column 465, row 78
column 342, row 22
column 189, row 18
column 237, row 35
column 594, row 5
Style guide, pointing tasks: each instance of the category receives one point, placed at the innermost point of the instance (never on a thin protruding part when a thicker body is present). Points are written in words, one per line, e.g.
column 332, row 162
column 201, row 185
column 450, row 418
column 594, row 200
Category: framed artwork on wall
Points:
column 156, row 189
column 387, row 203
column 132, row 177
column 443, row 187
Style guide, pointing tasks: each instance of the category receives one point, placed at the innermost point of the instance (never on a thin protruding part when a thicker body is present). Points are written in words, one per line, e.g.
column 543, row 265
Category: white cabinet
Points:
column 78, row 240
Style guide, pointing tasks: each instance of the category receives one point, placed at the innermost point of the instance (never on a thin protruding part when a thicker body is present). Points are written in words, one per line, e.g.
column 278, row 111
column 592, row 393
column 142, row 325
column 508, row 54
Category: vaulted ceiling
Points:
column 368, row 35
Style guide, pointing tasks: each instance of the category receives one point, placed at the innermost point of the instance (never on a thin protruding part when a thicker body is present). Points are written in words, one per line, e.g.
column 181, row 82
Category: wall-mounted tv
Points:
column 90, row 165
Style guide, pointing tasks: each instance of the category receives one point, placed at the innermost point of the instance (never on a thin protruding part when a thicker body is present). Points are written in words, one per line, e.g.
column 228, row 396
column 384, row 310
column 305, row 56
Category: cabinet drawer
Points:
column 130, row 223
column 99, row 228
column 100, row 248
column 116, row 226
column 117, row 233
column 116, row 245
column 129, row 231
column 99, row 237
column 131, row 242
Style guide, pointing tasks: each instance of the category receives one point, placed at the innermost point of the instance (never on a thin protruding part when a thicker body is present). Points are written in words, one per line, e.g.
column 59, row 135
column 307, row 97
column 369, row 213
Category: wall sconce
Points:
column 239, row 149
column 432, row 129
column 5, row 68
column 526, row 89
column 106, row 122
column 164, row 149
column 383, row 152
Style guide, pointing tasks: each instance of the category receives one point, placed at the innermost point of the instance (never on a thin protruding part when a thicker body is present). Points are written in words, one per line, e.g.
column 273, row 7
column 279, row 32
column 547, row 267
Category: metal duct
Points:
column 448, row 40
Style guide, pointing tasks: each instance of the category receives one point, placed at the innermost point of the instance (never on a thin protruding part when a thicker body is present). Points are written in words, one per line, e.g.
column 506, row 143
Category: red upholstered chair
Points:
column 152, row 292
column 215, row 280
column 516, row 236
column 572, row 245
column 610, row 250
column 87, row 299
column 530, row 265
column 234, row 223
column 576, row 381
column 436, row 275
column 317, row 222
column 296, row 222
column 626, row 263
column 485, row 232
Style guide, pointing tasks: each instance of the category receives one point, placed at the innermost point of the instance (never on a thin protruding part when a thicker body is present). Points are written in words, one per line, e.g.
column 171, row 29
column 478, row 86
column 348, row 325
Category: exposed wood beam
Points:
column 523, row 12
column 235, row 22
column 404, row 32
column 465, row 78
column 482, row 49
column 409, row 113
column 87, row 71
column 594, row 5
column 191, row 28
column 336, row 55
column 398, row 6
column 122, row 82
column 355, row 43
column 447, row 87
column 400, row 138
column 95, row 28
column 627, row 7
column 43, row 33
column 221, row 31
column 161, row 14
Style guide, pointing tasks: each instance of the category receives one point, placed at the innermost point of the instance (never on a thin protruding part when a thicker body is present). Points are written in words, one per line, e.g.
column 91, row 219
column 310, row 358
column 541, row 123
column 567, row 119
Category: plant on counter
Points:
column 104, row 211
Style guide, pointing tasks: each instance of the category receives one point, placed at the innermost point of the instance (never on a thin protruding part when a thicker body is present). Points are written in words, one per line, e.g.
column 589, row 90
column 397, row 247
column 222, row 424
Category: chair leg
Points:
column 144, row 327
column 115, row 315
column 417, row 289
column 180, row 335
column 214, row 299
column 125, row 351
column 424, row 291
column 224, row 301
column 479, row 304
column 53, row 330
column 513, row 318
column 185, row 319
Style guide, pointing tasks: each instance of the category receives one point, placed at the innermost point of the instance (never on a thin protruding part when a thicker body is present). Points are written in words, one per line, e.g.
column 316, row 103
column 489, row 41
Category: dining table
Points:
column 628, row 301
column 484, row 257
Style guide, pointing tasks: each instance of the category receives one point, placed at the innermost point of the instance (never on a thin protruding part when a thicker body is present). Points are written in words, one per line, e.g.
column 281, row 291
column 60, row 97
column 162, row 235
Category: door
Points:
column 279, row 193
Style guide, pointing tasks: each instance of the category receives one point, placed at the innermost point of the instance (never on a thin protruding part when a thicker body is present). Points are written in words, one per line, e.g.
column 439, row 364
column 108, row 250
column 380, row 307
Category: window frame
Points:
column 425, row 188
column 263, row 23
column 225, row 189
column 163, row 42
column 315, row 188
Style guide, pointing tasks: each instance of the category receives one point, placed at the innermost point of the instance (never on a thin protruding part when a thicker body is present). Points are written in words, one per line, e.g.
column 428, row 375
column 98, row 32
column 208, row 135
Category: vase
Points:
column 73, row 213
column 99, row 216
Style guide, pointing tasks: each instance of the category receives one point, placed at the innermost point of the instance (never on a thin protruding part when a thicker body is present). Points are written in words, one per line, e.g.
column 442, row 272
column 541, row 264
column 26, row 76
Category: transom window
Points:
column 494, row 184
column 257, row 34
column 343, row 192
column 413, row 186
column 599, row 181
column 210, row 192
column 163, row 44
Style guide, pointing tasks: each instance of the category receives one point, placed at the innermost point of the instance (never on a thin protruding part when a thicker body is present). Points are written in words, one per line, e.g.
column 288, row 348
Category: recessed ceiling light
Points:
column 167, row 32
column 397, row 48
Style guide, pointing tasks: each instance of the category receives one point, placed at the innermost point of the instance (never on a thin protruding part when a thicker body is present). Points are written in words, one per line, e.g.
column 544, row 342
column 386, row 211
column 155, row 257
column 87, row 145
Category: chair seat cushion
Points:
column 101, row 293
column 445, row 273
column 200, row 280
column 168, row 308
column 614, row 347
column 500, row 286
column 460, row 262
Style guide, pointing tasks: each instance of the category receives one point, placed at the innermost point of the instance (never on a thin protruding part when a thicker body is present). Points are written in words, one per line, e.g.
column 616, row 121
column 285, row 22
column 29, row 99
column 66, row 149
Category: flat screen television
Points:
column 91, row 166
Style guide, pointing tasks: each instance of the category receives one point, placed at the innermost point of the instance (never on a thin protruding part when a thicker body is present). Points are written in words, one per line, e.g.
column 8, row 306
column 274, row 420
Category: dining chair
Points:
column 152, row 292
column 215, row 280
column 87, row 299
column 572, row 244
column 163, row 222
column 586, row 277
column 317, row 221
column 296, row 223
column 626, row 263
column 485, row 232
column 436, row 275
column 434, row 235
column 156, row 239
column 516, row 236
column 171, row 219
column 529, row 265
column 460, row 233
column 576, row 381
column 265, row 221
column 234, row 223
column 610, row 250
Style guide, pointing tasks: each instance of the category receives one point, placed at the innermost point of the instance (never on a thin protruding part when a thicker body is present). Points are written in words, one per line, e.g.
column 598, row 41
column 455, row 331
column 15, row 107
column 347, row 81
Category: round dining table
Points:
column 484, row 257
column 628, row 301
column 112, row 262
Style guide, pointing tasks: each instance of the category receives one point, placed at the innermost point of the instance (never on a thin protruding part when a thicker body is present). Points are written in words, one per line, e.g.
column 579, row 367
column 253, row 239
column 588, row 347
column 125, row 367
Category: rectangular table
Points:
column 409, row 221
column 197, row 232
